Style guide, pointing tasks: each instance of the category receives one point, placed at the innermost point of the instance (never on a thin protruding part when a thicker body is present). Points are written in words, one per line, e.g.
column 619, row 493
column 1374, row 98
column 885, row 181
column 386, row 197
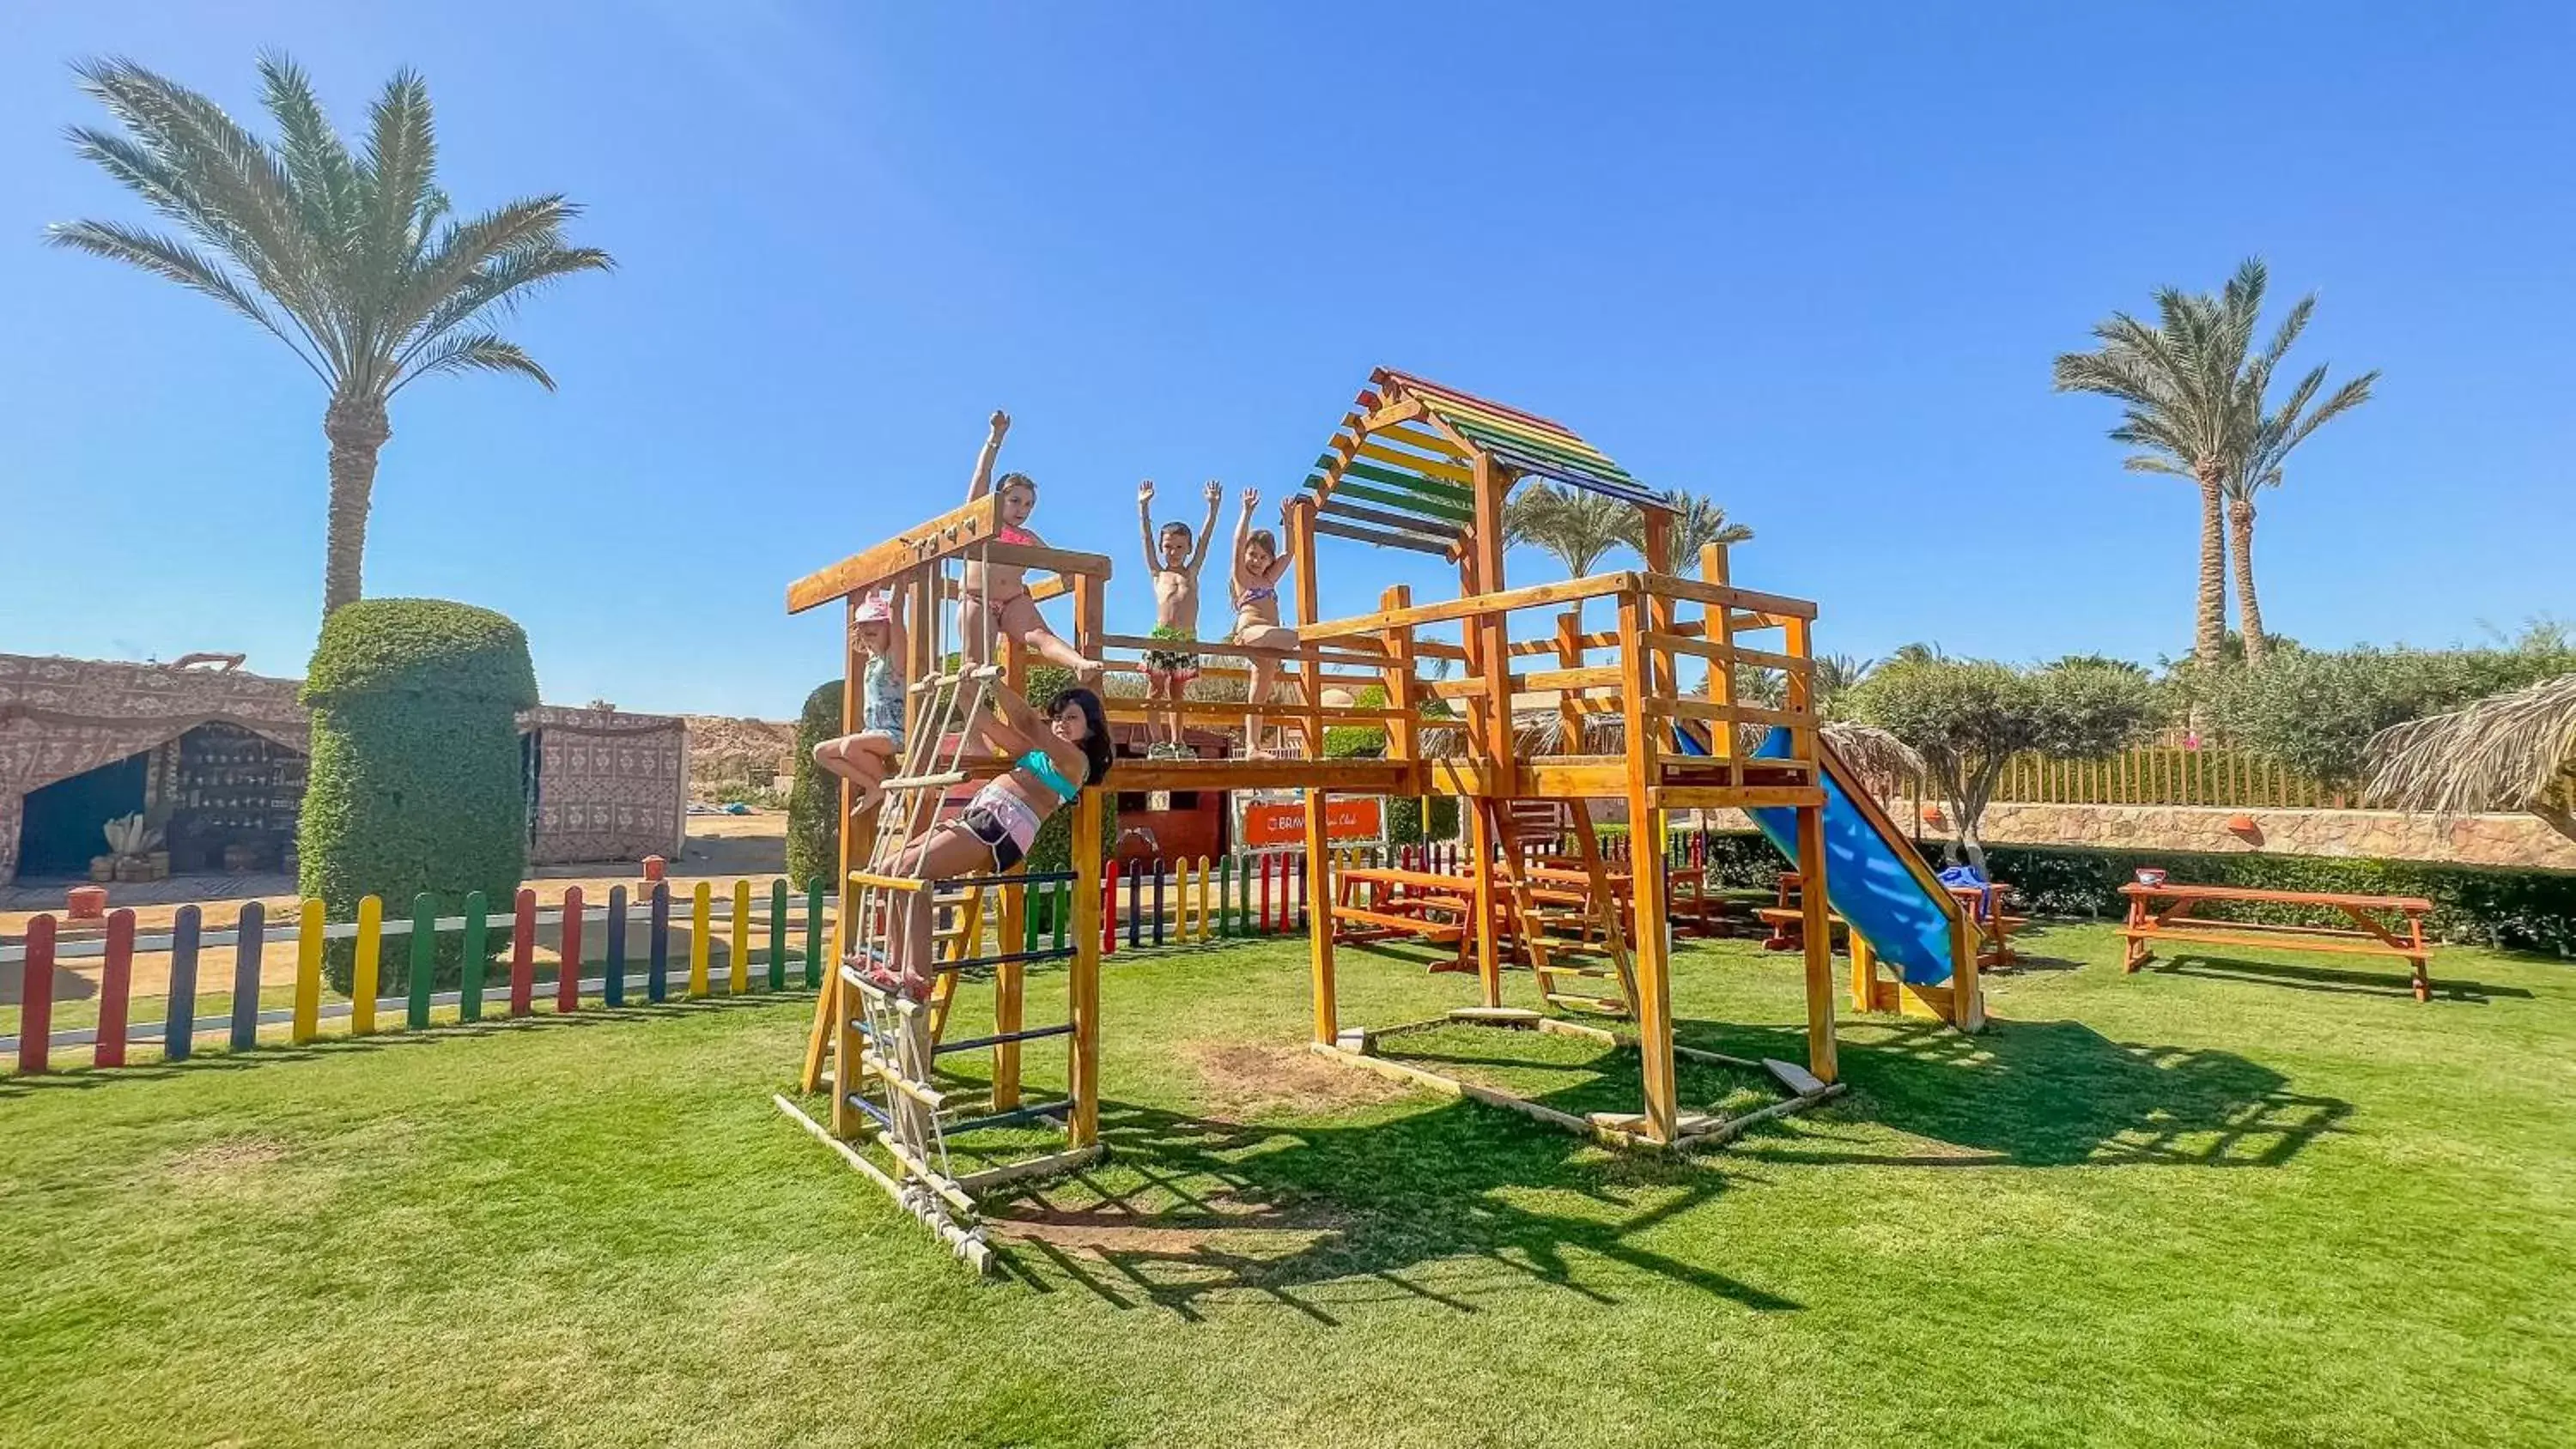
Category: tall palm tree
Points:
column 1697, row 522
column 2275, row 435
column 1576, row 525
column 2181, row 383
column 354, row 260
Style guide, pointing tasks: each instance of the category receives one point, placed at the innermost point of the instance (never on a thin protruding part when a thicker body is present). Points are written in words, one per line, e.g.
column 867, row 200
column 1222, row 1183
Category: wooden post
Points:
column 1010, row 978
column 1864, row 974
column 1082, row 979
column 1967, row 995
column 1819, row 942
column 1653, row 955
column 1301, row 539
column 1720, row 628
column 1319, row 934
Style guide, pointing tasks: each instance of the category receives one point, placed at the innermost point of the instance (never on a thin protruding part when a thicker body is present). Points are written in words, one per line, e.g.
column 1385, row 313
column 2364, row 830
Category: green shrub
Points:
column 2314, row 711
column 415, row 781
column 2531, row 910
column 814, row 798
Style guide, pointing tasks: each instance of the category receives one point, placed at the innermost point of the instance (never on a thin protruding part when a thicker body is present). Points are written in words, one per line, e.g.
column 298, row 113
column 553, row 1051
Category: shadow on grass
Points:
column 2053, row 1094
column 2336, row 981
column 224, row 1059
column 1187, row 1210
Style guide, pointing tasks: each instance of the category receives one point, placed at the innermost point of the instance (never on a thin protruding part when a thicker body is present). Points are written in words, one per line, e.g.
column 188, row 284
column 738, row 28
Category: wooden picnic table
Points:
column 2381, row 925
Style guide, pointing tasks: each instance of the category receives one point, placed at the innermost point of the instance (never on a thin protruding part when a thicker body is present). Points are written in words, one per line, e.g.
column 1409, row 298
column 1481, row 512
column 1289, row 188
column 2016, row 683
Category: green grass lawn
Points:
column 2250, row 1202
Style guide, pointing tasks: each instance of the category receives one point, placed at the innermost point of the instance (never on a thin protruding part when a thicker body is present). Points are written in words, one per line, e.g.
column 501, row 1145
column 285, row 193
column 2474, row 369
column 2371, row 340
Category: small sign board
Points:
column 1278, row 821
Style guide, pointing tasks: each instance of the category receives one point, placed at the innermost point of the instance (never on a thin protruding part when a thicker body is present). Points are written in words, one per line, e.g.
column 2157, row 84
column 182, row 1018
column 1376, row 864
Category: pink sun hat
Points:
column 873, row 610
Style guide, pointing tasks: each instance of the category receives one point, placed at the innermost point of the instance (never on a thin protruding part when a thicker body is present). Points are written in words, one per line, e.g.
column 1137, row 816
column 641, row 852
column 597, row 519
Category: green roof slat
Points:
column 1596, row 464
column 1397, row 478
column 1411, row 502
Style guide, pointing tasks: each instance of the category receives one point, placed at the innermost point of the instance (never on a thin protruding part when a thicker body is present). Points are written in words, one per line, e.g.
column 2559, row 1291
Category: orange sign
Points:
column 1357, row 820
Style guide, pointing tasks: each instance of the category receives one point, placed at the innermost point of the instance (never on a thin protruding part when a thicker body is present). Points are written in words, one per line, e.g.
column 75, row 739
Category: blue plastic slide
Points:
column 1867, row 880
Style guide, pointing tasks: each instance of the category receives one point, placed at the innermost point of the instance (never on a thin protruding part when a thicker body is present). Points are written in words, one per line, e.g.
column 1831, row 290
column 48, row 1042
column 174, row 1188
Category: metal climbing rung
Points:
column 978, row 1043
column 1016, row 1115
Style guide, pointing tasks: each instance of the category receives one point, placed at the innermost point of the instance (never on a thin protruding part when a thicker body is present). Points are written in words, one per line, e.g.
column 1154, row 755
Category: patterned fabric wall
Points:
column 60, row 717
column 612, row 786
column 609, row 786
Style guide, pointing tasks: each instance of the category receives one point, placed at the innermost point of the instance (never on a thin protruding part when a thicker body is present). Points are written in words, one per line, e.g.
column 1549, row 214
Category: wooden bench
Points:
column 2381, row 925
column 1388, row 915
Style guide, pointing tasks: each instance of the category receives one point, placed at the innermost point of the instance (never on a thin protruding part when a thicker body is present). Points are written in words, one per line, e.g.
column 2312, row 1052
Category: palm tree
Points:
column 2278, row 432
column 2186, row 405
column 2510, row 751
column 1576, row 525
column 1697, row 522
column 354, row 260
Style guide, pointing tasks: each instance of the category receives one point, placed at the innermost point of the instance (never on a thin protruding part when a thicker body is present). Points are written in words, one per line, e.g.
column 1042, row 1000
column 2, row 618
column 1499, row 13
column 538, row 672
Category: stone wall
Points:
column 2513, row 841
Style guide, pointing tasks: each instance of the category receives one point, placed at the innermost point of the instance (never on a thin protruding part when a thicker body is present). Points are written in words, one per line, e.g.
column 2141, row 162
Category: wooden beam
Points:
column 1082, row 975
column 1695, row 592
column 1487, row 600
column 955, row 531
column 1653, row 955
column 1818, row 943
column 1319, row 911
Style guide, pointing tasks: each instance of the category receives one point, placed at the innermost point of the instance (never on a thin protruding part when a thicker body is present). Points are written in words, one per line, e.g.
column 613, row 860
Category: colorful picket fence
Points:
column 758, row 926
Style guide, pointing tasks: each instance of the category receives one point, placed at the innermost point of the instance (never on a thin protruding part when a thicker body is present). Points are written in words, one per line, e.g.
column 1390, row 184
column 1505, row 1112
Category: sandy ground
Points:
column 721, row 849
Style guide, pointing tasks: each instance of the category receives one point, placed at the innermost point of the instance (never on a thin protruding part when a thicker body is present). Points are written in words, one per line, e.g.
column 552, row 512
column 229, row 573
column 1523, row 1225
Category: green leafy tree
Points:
column 2192, row 389
column 814, row 797
column 2315, row 711
column 1967, row 718
column 352, row 258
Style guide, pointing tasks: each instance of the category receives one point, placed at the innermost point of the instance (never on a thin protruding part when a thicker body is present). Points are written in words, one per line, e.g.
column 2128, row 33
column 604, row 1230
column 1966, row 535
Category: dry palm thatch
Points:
column 2514, row 751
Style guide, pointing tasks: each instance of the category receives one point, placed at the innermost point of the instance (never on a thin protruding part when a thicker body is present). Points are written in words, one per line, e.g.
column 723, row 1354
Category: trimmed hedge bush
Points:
column 416, row 782
column 814, row 799
column 2526, row 910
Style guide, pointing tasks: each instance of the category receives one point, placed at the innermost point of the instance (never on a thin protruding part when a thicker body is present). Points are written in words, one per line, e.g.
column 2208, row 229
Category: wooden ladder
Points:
column 1556, row 958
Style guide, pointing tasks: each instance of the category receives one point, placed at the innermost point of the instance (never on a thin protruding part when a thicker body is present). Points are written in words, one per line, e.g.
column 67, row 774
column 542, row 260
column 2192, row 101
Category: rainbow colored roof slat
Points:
column 1522, row 441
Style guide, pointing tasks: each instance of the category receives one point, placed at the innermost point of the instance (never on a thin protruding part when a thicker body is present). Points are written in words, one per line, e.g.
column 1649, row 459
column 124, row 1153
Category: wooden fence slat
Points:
column 250, row 939
column 420, row 973
column 36, row 999
column 568, row 969
column 813, row 935
column 363, row 975
column 701, row 918
column 612, row 972
column 523, row 953
column 473, row 954
column 179, row 1021
column 778, row 934
column 657, row 971
column 738, row 964
column 307, row 1017
column 115, row 989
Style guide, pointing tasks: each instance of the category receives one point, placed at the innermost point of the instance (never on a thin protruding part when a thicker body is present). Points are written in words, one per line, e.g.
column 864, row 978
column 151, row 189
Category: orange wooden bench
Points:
column 2381, row 925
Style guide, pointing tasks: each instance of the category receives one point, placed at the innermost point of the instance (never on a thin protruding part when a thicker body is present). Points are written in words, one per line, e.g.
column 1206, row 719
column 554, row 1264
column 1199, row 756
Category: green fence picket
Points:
column 778, row 934
column 469, row 1001
column 424, row 959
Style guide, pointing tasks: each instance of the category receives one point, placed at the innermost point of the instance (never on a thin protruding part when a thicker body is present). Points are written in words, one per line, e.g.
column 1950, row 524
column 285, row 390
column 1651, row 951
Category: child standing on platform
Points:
column 1258, row 568
column 994, row 599
column 1174, row 564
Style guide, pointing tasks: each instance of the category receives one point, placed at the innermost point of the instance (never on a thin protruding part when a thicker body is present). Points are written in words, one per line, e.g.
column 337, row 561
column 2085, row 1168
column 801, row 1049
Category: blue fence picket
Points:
column 179, row 1026
column 250, row 933
column 613, row 970
column 657, row 970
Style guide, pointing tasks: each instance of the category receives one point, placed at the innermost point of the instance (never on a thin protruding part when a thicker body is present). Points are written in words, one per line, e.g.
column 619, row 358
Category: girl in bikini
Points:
column 995, row 598
column 1053, row 755
column 1258, row 568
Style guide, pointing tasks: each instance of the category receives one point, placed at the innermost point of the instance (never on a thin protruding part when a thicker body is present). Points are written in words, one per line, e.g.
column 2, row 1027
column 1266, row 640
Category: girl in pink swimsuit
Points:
column 995, row 598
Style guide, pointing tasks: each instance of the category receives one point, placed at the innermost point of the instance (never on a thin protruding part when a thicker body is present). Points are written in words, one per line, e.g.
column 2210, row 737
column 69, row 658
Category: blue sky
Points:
column 1814, row 264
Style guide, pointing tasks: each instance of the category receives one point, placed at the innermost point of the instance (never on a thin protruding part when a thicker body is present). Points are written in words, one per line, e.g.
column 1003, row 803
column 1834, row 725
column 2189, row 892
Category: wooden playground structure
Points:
column 1423, row 468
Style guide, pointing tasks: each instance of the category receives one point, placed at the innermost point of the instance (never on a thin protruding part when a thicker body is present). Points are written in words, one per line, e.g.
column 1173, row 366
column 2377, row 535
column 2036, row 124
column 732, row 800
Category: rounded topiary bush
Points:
column 814, row 800
column 415, row 782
